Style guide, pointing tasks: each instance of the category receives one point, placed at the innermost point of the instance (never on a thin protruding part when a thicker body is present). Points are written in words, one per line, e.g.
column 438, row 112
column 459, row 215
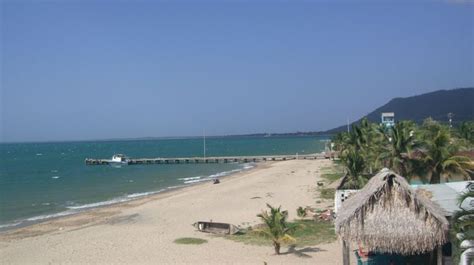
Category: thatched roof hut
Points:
column 388, row 216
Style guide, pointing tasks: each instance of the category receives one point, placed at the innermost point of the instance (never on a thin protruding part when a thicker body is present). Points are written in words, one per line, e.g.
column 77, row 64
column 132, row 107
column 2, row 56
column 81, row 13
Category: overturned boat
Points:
column 216, row 228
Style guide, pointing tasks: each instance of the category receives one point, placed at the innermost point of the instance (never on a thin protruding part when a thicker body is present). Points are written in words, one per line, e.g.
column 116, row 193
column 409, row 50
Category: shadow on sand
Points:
column 302, row 252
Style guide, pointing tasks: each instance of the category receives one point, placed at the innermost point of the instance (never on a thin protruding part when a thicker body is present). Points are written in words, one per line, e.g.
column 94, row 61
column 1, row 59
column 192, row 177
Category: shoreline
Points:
column 153, row 195
column 144, row 231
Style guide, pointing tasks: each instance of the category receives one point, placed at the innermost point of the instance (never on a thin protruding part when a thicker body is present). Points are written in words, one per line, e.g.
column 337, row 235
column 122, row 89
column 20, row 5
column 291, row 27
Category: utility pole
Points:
column 204, row 141
column 450, row 118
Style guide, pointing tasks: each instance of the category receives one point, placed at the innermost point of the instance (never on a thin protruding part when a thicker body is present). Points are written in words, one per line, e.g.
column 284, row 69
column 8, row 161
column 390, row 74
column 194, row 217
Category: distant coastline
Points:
column 151, row 138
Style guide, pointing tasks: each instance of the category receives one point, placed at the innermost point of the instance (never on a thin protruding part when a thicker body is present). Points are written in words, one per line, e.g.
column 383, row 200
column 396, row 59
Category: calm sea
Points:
column 39, row 181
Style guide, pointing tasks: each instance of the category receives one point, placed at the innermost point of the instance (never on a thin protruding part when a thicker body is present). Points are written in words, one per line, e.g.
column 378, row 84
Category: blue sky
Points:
column 92, row 70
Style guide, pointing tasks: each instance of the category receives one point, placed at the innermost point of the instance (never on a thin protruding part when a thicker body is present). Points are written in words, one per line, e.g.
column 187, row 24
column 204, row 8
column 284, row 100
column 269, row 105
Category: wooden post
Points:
column 439, row 256
column 345, row 253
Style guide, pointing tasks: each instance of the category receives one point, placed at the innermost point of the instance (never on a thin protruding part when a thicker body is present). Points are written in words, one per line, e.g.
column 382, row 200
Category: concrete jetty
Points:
column 207, row 160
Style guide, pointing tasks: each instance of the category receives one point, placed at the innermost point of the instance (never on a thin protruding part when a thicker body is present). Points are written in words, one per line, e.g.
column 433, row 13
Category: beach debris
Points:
column 216, row 228
column 309, row 211
column 301, row 212
column 327, row 215
column 256, row 197
column 216, row 181
column 320, row 183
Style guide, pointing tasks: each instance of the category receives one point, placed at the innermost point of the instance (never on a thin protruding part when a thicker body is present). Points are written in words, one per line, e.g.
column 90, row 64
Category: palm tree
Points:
column 339, row 141
column 355, row 165
column 358, row 150
column 438, row 159
column 400, row 142
column 277, row 227
column 465, row 131
column 463, row 220
column 462, row 225
column 356, row 137
column 371, row 144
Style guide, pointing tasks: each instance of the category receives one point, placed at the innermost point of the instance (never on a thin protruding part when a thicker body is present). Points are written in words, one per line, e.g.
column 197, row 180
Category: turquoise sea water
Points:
column 43, row 180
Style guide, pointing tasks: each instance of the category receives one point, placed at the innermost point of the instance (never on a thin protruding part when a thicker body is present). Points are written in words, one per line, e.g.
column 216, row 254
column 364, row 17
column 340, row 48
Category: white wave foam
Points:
column 142, row 194
column 49, row 216
column 248, row 166
column 98, row 204
column 126, row 198
column 174, row 187
column 136, row 195
column 190, row 178
column 9, row 225
column 225, row 173
column 39, row 154
column 79, row 208
column 196, row 180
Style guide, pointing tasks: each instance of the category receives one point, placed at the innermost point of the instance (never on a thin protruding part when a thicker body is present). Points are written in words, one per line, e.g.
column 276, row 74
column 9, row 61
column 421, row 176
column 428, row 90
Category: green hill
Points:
column 436, row 105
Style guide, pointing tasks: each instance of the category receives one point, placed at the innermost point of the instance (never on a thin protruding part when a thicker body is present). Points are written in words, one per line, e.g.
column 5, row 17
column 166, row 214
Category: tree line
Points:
column 431, row 152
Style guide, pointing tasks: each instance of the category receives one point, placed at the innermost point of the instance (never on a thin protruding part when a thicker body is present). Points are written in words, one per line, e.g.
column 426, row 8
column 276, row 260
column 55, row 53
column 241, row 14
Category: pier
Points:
column 208, row 160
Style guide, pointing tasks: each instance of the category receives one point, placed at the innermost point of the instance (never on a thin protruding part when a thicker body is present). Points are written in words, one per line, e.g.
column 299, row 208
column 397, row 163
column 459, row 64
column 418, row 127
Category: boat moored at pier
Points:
column 119, row 159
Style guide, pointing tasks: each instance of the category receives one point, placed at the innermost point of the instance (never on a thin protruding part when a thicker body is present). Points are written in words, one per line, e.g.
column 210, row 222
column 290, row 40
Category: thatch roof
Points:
column 341, row 181
column 388, row 216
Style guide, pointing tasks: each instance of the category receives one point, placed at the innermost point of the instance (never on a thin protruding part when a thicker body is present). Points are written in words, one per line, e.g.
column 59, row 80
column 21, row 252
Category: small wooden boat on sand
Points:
column 216, row 228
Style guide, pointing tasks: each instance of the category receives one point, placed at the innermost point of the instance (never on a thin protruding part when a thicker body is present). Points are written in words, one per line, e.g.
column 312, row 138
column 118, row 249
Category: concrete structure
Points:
column 388, row 119
column 208, row 160
column 446, row 194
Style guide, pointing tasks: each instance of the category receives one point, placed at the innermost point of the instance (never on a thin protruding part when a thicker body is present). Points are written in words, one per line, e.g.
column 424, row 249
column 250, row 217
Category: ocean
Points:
column 39, row 181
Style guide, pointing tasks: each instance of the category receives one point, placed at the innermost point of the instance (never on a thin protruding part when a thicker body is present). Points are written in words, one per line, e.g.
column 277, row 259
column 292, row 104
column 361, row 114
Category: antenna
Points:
column 450, row 118
column 204, row 142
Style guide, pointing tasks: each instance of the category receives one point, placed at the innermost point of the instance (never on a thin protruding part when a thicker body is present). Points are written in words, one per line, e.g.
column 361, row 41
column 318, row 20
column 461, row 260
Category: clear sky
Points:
column 92, row 70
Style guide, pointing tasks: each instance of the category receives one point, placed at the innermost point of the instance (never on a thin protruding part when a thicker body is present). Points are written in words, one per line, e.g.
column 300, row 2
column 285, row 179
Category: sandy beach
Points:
column 143, row 231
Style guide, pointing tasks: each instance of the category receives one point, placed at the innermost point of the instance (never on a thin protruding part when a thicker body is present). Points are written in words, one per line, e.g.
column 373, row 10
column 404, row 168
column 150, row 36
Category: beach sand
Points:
column 143, row 231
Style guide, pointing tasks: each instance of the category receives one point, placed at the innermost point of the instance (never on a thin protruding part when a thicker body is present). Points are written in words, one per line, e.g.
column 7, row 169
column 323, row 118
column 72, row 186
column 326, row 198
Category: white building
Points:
column 388, row 119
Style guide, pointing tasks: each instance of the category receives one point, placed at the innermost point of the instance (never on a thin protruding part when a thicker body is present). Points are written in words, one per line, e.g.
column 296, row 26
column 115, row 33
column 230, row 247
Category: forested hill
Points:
column 436, row 105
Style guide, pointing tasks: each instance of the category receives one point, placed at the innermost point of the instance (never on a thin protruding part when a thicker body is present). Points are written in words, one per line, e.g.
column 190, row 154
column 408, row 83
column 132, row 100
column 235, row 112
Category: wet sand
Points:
column 143, row 231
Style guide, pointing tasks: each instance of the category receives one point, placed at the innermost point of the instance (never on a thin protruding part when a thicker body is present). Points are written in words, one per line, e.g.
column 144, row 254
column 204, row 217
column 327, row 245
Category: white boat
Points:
column 216, row 228
column 119, row 159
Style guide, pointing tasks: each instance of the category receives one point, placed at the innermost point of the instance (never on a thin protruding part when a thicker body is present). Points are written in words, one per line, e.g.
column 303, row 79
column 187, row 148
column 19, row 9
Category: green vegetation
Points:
column 310, row 232
column 331, row 176
column 462, row 223
column 301, row 212
column 327, row 193
column 429, row 152
column 190, row 241
column 276, row 227
column 305, row 233
column 465, row 132
column 333, row 172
